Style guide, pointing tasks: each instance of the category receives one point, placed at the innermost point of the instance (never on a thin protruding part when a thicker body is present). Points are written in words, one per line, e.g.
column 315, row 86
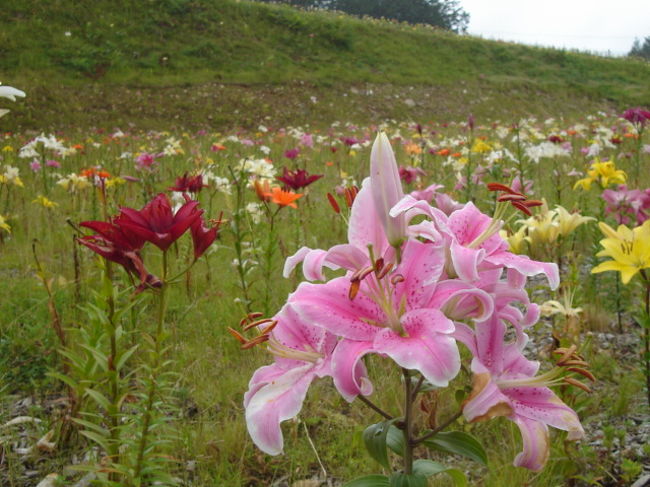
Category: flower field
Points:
column 434, row 303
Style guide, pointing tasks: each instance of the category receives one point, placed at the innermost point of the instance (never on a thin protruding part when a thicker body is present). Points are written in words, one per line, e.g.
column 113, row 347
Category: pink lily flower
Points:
column 474, row 243
column 276, row 392
column 505, row 384
column 387, row 311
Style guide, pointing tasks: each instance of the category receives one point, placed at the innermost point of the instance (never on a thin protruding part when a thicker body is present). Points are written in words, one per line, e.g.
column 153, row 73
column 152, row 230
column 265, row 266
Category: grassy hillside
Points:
column 112, row 55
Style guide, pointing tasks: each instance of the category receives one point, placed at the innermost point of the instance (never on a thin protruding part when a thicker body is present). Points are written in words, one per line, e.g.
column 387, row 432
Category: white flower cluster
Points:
column 49, row 142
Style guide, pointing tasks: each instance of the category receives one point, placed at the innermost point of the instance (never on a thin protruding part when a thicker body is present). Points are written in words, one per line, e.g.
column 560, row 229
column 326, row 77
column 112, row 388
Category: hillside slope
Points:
column 112, row 54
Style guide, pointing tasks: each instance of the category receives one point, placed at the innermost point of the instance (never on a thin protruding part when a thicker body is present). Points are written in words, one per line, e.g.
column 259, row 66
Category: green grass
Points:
column 156, row 63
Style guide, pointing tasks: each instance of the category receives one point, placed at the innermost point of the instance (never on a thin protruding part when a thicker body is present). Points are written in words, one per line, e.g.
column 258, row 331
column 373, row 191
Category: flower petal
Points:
column 536, row 444
column 526, row 266
column 426, row 349
column 348, row 371
column 271, row 401
column 328, row 306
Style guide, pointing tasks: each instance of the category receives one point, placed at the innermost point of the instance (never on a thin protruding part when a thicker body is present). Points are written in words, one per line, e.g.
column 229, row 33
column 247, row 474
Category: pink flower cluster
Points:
column 411, row 292
column 627, row 205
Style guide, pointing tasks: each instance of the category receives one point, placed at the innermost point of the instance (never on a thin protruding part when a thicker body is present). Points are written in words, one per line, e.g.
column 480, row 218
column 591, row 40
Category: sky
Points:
column 606, row 27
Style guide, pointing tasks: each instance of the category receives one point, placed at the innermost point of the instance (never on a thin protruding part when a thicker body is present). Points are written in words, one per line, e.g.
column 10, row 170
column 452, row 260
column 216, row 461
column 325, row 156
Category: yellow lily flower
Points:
column 629, row 249
column 4, row 225
column 45, row 202
column 568, row 222
column 480, row 147
column 604, row 173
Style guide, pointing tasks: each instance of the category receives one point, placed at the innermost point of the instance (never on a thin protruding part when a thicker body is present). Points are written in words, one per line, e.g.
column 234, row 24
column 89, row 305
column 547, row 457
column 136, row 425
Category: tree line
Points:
column 446, row 14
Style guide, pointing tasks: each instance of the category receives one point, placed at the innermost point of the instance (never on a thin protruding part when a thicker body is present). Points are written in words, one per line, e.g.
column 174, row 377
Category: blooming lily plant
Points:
column 417, row 285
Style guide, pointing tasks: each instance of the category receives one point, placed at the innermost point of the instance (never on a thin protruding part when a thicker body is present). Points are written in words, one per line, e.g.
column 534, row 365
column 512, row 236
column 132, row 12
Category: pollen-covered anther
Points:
column 255, row 341
column 250, row 317
column 566, row 354
column 521, row 207
column 387, row 268
column 396, row 279
column 354, row 289
column 269, row 328
column 511, row 197
column 379, row 265
column 502, row 187
column 361, row 274
column 573, row 382
column 238, row 336
column 257, row 323
column 583, row 372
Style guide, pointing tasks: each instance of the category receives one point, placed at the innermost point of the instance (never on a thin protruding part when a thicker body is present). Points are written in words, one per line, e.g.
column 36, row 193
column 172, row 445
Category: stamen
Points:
column 511, row 197
column 396, row 279
column 572, row 382
column 583, row 372
column 257, row 323
column 566, row 354
column 502, row 187
column 238, row 336
column 255, row 341
column 379, row 265
column 354, row 289
column 387, row 268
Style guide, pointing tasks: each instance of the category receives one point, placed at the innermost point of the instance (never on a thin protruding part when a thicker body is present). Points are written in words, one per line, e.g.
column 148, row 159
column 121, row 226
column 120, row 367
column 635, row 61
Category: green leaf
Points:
column 369, row 481
column 395, row 440
column 408, row 480
column 92, row 426
column 427, row 468
column 100, row 440
column 459, row 443
column 124, row 357
column 99, row 398
column 374, row 437
column 64, row 378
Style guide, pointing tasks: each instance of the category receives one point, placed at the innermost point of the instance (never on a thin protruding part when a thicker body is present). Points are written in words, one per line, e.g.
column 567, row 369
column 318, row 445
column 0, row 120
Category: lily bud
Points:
column 387, row 189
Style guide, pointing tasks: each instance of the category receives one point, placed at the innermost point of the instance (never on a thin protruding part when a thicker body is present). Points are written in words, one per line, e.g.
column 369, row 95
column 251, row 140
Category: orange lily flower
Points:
column 283, row 198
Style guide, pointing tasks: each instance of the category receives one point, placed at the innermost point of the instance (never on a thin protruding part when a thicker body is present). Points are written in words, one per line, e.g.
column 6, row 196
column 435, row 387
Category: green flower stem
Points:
column 155, row 370
column 408, row 422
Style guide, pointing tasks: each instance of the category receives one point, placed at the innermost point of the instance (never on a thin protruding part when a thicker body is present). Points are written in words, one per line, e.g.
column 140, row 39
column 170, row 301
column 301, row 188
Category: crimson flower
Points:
column 292, row 153
column 297, row 179
column 637, row 116
column 202, row 236
column 118, row 245
column 408, row 174
column 157, row 223
column 188, row 184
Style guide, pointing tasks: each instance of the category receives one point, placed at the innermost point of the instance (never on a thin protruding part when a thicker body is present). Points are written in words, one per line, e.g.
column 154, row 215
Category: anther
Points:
column 257, row 323
column 255, row 341
column 583, row 372
column 397, row 278
column 354, row 289
column 387, row 268
column 572, row 382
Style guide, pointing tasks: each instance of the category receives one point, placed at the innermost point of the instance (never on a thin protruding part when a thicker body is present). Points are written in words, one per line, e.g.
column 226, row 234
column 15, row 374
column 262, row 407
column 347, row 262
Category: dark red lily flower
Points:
column 292, row 153
column 119, row 246
column 297, row 179
column 188, row 184
column 637, row 116
column 408, row 174
column 156, row 222
column 202, row 236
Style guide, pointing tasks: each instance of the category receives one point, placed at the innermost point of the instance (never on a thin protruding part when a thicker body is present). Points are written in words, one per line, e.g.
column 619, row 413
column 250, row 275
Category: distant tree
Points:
column 447, row 14
column 641, row 50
